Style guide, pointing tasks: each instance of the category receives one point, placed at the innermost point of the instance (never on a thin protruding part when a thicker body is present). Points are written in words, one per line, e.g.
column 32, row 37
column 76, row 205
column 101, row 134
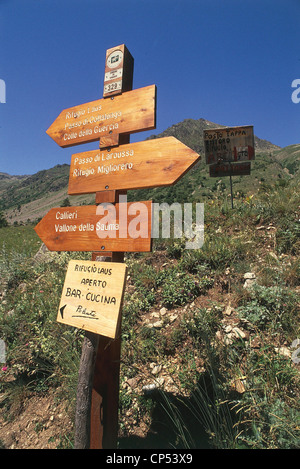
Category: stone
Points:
column 173, row 317
column 228, row 339
column 155, row 369
column 283, row 351
column 249, row 283
column 43, row 254
column 157, row 324
column 149, row 325
column 159, row 381
column 249, row 279
column 155, row 315
column 238, row 385
column 239, row 333
column 228, row 310
column 132, row 382
column 249, row 275
column 148, row 388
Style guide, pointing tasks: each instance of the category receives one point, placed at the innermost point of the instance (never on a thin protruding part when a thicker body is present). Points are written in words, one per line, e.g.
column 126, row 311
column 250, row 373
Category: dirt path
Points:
column 40, row 423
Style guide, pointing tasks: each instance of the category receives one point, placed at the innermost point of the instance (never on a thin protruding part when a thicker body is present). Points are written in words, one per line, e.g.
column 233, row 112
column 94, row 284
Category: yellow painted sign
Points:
column 92, row 296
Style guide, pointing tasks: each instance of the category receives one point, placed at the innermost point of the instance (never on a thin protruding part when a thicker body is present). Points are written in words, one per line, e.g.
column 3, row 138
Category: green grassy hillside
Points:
column 209, row 353
column 208, row 359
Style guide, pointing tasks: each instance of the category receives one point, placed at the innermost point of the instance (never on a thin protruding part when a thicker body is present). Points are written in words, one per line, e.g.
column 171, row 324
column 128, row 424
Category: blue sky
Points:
column 229, row 61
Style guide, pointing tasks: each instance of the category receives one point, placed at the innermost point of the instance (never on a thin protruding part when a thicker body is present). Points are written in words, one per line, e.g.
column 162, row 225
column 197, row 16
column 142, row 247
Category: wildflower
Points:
column 4, row 368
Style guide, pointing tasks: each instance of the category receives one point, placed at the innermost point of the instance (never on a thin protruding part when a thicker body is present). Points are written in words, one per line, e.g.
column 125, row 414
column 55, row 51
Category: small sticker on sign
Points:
column 115, row 74
column 116, row 85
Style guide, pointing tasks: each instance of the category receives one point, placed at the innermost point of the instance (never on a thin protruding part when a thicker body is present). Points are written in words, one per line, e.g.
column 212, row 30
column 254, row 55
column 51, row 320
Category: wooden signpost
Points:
column 229, row 151
column 91, row 298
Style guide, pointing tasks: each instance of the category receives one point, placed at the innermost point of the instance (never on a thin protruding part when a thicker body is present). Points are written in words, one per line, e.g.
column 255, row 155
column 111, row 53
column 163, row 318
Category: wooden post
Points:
column 98, row 384
column 230, row 180
column 105, row 391
column 231, row 193
column 96, row 417
column 84, row 389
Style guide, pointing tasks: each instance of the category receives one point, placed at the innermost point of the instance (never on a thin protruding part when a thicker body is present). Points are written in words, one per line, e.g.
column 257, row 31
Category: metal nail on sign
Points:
column 92, row 296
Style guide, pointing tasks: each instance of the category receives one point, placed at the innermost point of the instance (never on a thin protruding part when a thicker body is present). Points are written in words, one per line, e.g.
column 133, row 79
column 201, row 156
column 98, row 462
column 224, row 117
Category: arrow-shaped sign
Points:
column 152, row 163
column 133, row 111
column 123, row 227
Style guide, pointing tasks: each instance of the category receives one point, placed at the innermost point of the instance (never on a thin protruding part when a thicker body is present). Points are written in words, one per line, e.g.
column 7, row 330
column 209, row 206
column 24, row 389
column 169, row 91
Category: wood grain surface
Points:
column 152, row 163
column 98, row 228
column 133, row 111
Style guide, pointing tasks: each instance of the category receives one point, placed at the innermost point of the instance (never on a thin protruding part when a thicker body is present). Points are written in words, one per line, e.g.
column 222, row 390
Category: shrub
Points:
column 179, row 288
column 274, row 306
column 3, row 221
column 288, row 238
column 40, row 352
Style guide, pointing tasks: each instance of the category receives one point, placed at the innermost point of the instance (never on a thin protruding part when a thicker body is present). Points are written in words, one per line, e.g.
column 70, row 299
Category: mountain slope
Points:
column 190, row 132
column 197, row 184
column 30, row 197
column 7, row 181
column 289, row 157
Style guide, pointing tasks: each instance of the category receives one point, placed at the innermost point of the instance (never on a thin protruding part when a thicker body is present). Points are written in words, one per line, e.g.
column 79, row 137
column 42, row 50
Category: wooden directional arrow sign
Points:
column 152, row 163
column 123, row 227
column 133, row 111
